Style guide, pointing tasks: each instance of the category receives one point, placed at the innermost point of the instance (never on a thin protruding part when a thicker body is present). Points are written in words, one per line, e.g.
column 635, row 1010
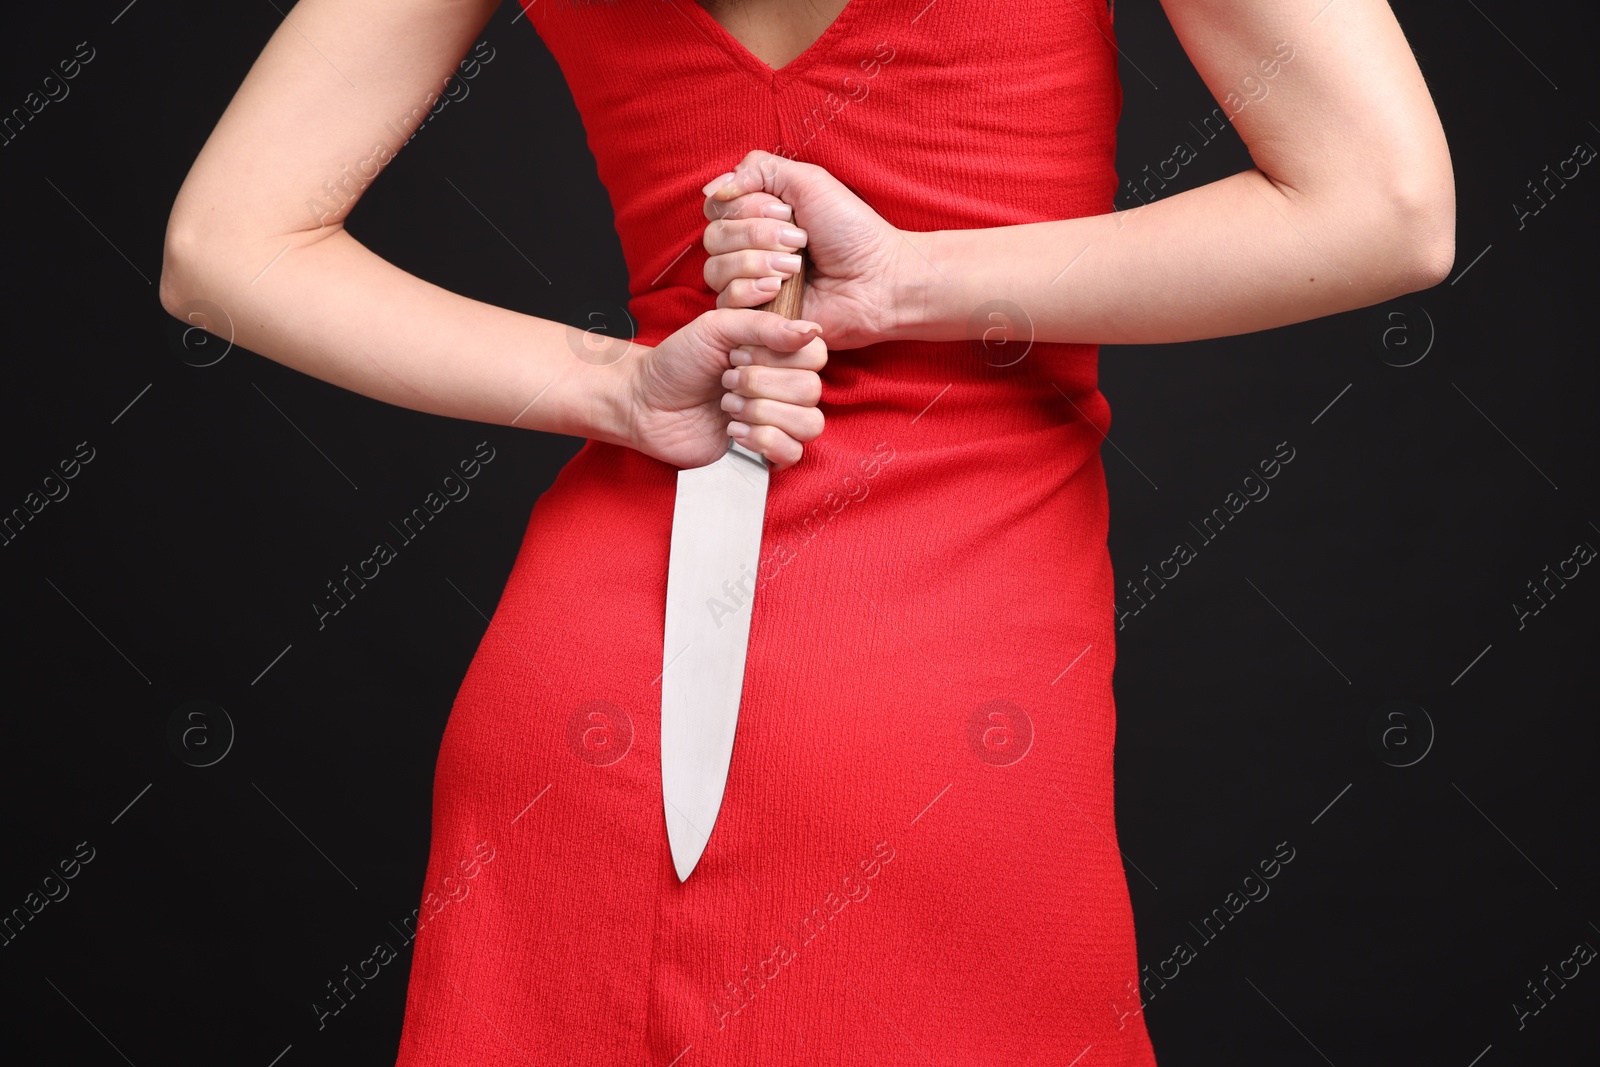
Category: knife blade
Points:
column 711, row 578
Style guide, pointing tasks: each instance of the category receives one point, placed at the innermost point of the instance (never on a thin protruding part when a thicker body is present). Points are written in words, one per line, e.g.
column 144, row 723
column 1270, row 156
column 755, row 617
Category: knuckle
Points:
column 722, row 321
column 760, row 438
column 774, row 335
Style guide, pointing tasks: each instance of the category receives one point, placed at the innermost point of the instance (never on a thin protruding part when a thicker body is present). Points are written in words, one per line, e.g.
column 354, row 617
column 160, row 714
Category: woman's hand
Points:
column 733, row 372
column 856, row 257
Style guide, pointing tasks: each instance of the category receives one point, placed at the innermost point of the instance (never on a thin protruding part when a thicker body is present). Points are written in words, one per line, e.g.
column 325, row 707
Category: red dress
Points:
column 916, row 859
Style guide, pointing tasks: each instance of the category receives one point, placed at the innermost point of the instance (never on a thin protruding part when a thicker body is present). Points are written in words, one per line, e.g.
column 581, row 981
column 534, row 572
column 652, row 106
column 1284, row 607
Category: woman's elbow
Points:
column 1425, row 209
column 180, row 250
column 197, row 255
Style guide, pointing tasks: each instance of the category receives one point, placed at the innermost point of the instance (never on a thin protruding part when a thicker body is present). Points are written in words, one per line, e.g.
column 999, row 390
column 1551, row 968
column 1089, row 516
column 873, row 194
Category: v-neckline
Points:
column 721, row 35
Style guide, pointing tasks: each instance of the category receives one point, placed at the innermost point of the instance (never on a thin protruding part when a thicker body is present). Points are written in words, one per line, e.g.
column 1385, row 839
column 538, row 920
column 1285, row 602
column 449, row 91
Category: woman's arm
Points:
column 257, row 229
column 1351, row 203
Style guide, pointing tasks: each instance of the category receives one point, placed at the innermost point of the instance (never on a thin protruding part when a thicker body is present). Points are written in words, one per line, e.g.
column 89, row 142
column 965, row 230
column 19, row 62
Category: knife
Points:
column 711, row 579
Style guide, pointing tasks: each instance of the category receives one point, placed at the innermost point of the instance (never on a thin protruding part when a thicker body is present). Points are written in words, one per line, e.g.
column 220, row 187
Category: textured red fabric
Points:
column 916, row 859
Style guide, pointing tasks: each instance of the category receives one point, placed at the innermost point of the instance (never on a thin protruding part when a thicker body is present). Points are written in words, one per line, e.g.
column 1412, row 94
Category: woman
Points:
column 916, row 858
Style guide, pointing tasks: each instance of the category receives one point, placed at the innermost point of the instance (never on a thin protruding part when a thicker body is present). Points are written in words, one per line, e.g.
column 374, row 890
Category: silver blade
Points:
column 711, row 582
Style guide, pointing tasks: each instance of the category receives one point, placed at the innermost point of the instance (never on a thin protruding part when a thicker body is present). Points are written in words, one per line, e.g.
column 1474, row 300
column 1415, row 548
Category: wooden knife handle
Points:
column 788, row 301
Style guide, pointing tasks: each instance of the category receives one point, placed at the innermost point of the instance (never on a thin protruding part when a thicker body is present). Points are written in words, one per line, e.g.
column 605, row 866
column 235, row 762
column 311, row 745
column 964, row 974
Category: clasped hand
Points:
column 857, row 258
column 753, row 375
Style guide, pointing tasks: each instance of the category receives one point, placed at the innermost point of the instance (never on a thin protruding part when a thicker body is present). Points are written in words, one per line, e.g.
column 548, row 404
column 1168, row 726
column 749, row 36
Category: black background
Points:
column 1382, row 568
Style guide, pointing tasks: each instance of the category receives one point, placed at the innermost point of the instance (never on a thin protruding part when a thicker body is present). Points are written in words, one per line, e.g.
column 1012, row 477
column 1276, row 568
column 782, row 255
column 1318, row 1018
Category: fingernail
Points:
column 787, row 262
column 738, row 429
column 768, row 285
column 801, row 326
column 730, row 379
column 741, row 357
column 732, row 403
column 776, row 211
column 793, row 236
column 716, row 183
